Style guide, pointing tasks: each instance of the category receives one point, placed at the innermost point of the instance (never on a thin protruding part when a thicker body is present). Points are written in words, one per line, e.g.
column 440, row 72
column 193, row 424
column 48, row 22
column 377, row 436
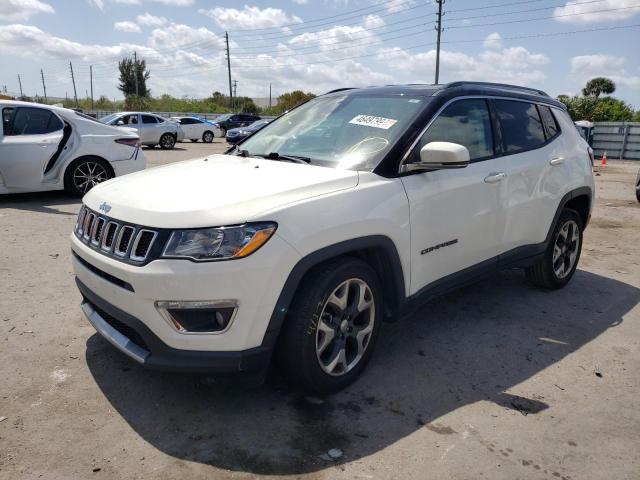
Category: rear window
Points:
column 549, row 121
column 149, row 119
column 521, row 125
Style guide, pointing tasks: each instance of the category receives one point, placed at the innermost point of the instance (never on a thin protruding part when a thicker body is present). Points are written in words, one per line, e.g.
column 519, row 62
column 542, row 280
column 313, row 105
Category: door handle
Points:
column 556, row 160
column 495, row 177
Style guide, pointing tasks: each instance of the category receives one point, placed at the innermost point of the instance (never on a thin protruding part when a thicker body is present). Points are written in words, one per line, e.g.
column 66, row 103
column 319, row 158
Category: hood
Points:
column 214, row 191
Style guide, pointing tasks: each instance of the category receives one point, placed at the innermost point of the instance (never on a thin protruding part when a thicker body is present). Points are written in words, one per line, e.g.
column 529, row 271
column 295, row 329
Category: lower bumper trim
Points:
column 158, row 355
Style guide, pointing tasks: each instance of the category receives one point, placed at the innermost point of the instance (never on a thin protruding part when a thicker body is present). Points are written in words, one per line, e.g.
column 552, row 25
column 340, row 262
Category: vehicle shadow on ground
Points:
column 468, row 346
column 42, row 202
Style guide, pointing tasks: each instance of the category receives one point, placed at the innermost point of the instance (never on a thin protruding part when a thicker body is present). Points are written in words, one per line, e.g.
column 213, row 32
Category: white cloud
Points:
column 129, row 27
column 591, row 12
column 176, row 35
column 517, row 65
column 372, row 21
column 300, row 2
column 493, row 40
column 175, row 3
column 585, row 67
column 349, row 40
column 99, row 4
column 249, row 17
column 394, row 6
column 149, row 20
column 128, row 2
column 17, row 10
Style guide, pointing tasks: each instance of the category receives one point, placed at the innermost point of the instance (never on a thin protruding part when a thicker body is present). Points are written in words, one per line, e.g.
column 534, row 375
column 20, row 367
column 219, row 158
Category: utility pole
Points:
column 75, row 94
column 91, row 80
column 20, row 83
column 44, row 87
column 439, row 28
column 235, row 92
column 226, row 37
column 135, row 69
column 269, row 96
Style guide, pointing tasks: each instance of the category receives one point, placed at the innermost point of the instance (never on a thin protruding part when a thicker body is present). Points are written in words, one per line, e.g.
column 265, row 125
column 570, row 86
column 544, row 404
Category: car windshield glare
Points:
column 108, row 118
column 340, row 130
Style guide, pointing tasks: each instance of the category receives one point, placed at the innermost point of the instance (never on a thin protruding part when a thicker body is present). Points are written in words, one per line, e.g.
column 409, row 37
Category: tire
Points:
column 307, row 356
column 207, row 137
column 194, row 140
column 167, row 141
column 84, row 173
column 638, row 192
column 566, row 242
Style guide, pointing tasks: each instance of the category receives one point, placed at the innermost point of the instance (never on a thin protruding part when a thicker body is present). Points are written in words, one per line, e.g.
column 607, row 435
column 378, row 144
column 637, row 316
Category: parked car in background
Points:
column 229, row 121
column 197, row 129
column 638, row 186
column 52, row 148
column 347, row 211
column 236, row 135
column 152, row 129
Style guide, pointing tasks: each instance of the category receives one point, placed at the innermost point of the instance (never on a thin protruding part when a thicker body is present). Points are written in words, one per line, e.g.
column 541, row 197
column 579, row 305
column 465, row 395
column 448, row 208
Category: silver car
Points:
column 152, row 129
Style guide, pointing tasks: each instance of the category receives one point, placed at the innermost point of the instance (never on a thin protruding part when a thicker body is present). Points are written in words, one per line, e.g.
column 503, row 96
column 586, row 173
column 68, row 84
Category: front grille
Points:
column 126, row 242
column 123, row 328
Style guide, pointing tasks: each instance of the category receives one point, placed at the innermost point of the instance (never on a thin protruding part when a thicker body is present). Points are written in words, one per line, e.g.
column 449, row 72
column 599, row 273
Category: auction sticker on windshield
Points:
column 371, row 121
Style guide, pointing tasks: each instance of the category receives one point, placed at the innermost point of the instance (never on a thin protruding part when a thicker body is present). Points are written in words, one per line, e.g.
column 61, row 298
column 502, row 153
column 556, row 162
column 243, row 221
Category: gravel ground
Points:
column 498, row 380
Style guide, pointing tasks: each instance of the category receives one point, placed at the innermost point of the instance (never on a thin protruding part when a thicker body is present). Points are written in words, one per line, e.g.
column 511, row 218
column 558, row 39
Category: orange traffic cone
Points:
column 603, row 162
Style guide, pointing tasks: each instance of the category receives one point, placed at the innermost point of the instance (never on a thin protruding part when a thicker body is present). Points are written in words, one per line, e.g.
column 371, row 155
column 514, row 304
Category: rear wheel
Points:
column 207, row 137
column 561, row 257
column 84, row 174
column 332, row 327
column 167, row 141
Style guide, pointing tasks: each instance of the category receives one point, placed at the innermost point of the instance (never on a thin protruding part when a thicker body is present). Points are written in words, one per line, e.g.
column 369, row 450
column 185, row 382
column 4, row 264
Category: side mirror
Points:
column 120, row 122
column 440, row 155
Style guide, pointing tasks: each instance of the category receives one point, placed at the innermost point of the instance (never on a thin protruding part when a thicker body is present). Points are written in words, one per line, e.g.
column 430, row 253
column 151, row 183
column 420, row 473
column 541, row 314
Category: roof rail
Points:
column 499, row 85
column 339, row 90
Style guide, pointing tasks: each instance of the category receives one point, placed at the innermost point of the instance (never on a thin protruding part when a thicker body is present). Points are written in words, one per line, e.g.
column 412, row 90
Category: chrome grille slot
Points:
column 124, row 240
column 109, row 235
column 98, row 227
column 88, row 222
column 142, row 245
column 80, row 220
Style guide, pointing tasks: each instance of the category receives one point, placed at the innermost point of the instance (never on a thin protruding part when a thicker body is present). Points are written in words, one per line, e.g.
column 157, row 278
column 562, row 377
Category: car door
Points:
column 197, row 127
column 148, row 129
column 456, row 215
column 534, row 164
column 30, row 138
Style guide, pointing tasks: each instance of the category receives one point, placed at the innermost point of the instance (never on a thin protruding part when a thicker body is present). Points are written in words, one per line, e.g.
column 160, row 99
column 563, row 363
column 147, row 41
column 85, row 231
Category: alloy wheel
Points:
column 87, row 175
column 167, row 141
column 345, row 327
column 565, row 249
column 208, row 137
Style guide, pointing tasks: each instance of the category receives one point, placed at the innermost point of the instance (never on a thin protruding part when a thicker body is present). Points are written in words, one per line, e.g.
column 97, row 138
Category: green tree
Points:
column 289, row 100
column 133, row 83
column 597, row 86
column 594, row 109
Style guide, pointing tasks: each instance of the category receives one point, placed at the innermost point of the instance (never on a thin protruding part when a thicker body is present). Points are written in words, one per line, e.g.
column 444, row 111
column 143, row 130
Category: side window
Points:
column 7, row 126
column 465, row 122
column 236, row 118
column 31, row 121
column 149, row 119
column 129, row 119
column 521, row 125
column 196, row 120
column 549, row 121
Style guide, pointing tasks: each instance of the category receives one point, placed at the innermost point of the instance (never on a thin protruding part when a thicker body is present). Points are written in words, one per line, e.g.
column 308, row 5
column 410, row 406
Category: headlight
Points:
column 219, row 243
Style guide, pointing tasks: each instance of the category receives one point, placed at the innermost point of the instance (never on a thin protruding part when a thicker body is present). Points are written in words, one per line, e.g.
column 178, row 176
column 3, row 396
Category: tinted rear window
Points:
column 33, row 121
column 521, row 125
column 149, row 119
column 549, row 121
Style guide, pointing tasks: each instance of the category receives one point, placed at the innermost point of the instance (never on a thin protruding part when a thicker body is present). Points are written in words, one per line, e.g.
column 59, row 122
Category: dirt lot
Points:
column 498, row 380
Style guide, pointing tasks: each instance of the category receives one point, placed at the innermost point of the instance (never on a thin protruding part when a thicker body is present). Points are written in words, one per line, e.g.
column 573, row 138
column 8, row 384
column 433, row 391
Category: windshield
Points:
column 108, row 118
column 258, row 124
column 224, row 117
column 340, row 131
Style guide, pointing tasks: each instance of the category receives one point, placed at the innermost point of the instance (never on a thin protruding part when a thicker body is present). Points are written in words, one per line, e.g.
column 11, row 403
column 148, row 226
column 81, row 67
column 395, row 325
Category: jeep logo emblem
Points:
column 105, row 207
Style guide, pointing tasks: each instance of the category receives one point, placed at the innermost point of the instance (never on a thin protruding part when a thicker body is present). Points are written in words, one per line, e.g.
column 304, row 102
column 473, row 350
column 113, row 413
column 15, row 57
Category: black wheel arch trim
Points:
column 578, row 192
column 304, row 265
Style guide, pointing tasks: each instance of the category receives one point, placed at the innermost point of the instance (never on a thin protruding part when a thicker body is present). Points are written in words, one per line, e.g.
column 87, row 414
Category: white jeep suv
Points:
column 347, row 211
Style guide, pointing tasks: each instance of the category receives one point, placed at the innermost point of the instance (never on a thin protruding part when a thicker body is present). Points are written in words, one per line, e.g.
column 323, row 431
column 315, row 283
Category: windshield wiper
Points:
column 290, row 158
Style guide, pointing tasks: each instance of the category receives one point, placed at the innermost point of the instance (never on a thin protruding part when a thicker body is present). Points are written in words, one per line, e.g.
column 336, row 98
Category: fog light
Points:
column 199, row 317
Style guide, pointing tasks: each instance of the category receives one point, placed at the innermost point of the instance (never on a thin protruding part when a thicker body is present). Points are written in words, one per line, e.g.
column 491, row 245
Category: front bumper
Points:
column 138, row 342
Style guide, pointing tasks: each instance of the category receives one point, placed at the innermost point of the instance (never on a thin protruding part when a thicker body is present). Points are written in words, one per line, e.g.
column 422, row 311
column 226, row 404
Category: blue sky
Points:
column 318, row 45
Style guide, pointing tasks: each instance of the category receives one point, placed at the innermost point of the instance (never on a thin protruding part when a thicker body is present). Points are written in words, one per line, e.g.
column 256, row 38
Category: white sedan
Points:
column 52, row 148
column 197, row 129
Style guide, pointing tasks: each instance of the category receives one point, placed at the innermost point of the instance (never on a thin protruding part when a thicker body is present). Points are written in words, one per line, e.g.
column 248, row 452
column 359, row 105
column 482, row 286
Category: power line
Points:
column 439, row 29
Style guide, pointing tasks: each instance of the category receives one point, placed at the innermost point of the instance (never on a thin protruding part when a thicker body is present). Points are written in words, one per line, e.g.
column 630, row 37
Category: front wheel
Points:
column 84, row 174
column 561, row 257
column 207, row 137
column 330, row 333
column 167, row 141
